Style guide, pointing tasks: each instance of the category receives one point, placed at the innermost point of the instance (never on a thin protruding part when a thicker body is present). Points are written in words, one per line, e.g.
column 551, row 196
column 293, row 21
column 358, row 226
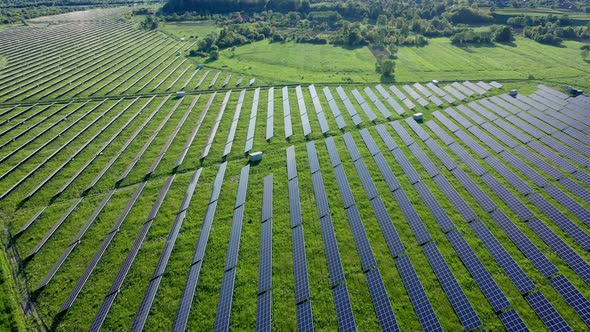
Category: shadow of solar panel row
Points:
column 394, row 104
column 482, row 277
column 366, row 108
column 422, row 134
column 547, row 313
column 380, row 106
column 287, row 113
column 183, row 312
column 572, row 296
column 218, row 119
column 234, row 124
column 381, row 302
column 507, row 197
column 455, row 93
column 572, row 259
column 334, row 108
column 561, row 220
column 468, row 317
column 522, row 282
column 523, row 243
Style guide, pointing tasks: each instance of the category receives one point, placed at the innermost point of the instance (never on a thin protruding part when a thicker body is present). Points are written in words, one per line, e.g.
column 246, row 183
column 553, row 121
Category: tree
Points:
column 585, row 51
column 387, row 67
column 149, row 23
column 503, row 34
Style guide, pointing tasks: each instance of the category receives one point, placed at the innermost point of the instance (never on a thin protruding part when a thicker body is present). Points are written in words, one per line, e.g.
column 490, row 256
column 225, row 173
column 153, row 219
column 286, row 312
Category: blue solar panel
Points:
column 562, row 149
column 344, row 312
column 474, row 190
column 451, row 126
column 437, row 211
column 402, row 133
column 459, row 118
column 422, row 89
column 352, row 149
column 420, row 301
column 503, row 258
column 314, row 164
column 394, row 243
column 552, row 156
column 576, row 189
column 466, row 212
column 473, row 164
column 304, row 317
column 225, row 301
column 479, row 110
column 573, row 260
column 463, row 89
column 360, row 238
column 439, row 132
column 234, row 242
column 441, row 154
column 563, row 199
column 381, row 302
column 291, row 163
column 573, row 297
column 332, row 253
column 267, row 198
column 510, row 108
column 265, row 265
column 508, row 198
column 561, row 220
column 512, row 130
column 380, row 106
column 394, row 104
column 424, row 160
column 369, row 142
column 470, row 114
column 347, row 197
column 512, row 322
column 386, row 137
column 264, row 312
column 537, row 123
column 294, row 203
column 524, row 244
column 496, row 110
column 486, row 283
column 332, row 151
column 242, row 186
column 321, row 198
column 574, row 144
column 472, row 144
column 366, row 179
column 455, row 93
column 525, row 169
column 405, row 164
column 509, row 175
column 300, row 265
column 412, row 217
column 417, row 129
column 495, row 132
column 538, row 162
column 366, row 108
column 455, row 294
column 386, row 172
column 547, row 312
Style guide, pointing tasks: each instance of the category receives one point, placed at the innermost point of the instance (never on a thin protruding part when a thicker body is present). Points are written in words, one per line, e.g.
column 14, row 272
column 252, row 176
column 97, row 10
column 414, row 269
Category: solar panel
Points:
column 474, row 190
column 405, row 164
column 455, row 294
column 437, row 211
column 366, row 180
column 455, row 93
column 394, row 104
column 436, row 89
column 553, row 157
column 412, row 217
column 263, row 312
column 473, row 164
column 304, row 317
column 267, row 198
column 324, row 127
column 537, row 123
column 513, row 131
column 401, row 132
column 561, row 220
column 347, row 197
column 420, row 301
column 571, row 155
column 332, row 253
column 487, row 140
column 386, row 172
column 411, row 92
column 531, row 102
column 575, row 145
column 360, row 238
column 291, row 163
column 508, row 175
column 512, row 321
column 575, row 189
column 265, row 261
column 445, row 121
column 314, row 164
column 352, row 149
column 459, row 118
column 381, row 302
column 572, row 296
column 446, row 139
column 538, row 162
column 368, row 111
column 294, row 204
column 300, row 265
column 573, row 260
column 441, row 154
column 234, row 242
column 386, row 137
column 474, row 87
column 466, row 212
column 486, row 283
column 225, row 301
column 340, row 122
column 397, row 92
column 524, row 244
column 478, row 110
column 484, row 85
column 508, row 106
column 417, row 129
column 466, row 91
column 448, row 98
column 344, row 312
column 409, row 104
column 541, row 98
column 369, row 142
column 396, row 248
column 424, row 160
column 496, row 110
column 473, row 145
column 547, row 313
column 332, row 151
column 553, row 91
column 186, row 299
column 422, row 89
column 508, row 198
column 503, row 258
column 321, row 198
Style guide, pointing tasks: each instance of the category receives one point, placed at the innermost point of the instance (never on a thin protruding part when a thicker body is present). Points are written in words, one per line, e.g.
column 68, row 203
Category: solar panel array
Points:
column 303, row 111
column 234, row 125
column 264, row 303
column 252, row 122
column 324, row 127
column 334, row 108
column 218, row 119
column 287, row 113
column 270, row 118
column 356, row 119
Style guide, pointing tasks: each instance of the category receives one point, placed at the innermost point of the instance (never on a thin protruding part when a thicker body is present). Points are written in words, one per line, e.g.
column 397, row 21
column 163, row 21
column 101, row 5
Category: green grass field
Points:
column 522, row 60
column 11, row 317
column 295, row 63
column 188, row 29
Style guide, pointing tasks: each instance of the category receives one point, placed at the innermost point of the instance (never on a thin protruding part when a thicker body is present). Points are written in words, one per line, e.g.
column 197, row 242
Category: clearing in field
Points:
column 188, row 29
column 522, row 60
column 290, row 62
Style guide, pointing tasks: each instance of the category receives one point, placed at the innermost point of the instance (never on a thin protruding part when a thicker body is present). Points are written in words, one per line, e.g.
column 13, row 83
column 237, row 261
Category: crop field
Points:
column 441, row 60
column 138, row 209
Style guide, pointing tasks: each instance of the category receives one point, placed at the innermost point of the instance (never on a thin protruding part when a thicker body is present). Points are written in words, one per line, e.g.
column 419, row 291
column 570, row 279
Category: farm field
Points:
column 189, row 29
column 441, row 60
column 132, row 207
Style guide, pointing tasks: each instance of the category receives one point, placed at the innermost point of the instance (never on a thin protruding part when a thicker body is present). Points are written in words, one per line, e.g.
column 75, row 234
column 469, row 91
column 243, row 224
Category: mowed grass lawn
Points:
column 299, row 63
column 188, row 29
column 523, row 59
